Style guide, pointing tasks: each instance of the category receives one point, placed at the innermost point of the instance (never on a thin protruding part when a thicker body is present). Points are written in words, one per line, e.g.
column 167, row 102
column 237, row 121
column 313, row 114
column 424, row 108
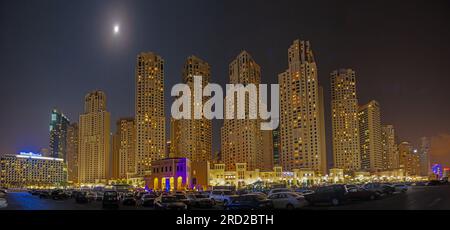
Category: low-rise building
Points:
column 170, row 174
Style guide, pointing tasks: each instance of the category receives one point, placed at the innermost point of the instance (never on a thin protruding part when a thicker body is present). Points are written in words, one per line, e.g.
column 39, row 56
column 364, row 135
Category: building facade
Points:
column 72, row 153
column 409, row 160
column 424, row 155
column 171, row 174
column 149, row 111
column 390, row 148
column 59, row 124
column 241, row 138
column 302, row 138
column 192, row 138
column 29, row 169
column 94, row 140
column 124, row 149
column 370, row 137
column 344, row 117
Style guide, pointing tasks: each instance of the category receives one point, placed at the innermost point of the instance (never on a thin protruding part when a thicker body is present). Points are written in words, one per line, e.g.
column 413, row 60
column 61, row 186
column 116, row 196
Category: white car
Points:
column 2, row 194
column 3, row 203
column 221, row 196
column 278, row 190
column 288, row 200
column 400, row 188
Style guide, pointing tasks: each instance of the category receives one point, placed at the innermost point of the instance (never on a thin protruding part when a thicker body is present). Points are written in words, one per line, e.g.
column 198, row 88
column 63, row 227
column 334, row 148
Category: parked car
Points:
column 183, row 198
column 334, row 194
column 81, row 198
column 34, row 192
column 200, row 201
column 288, row 200
column 381, row 189
column 110, row 199
column 3, row 203
column 44, row 195
column 148, row 200
column 99, row 196
column 400, row 188
column 222, row 196
column 249, row 202
column 169, row 202
column 58, row 195
column 2, row 194
column 91, row 196
column 277, row 190
column 303, row 191
column 358, row 193
column 129, row 200
column 433, row 183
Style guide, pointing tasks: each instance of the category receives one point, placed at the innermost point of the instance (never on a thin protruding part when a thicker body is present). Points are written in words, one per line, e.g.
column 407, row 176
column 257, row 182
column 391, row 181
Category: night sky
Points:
column 54, row 52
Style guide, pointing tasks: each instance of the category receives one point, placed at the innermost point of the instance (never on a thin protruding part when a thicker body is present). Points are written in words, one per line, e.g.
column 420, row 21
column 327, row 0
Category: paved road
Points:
column 417, row 198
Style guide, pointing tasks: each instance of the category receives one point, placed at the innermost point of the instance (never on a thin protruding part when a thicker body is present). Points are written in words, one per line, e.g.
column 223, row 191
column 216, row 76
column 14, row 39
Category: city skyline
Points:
column 34, row 138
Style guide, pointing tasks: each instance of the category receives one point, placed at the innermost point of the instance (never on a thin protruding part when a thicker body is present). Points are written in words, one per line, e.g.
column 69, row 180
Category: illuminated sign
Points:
column 36, row 156
column 31, row 154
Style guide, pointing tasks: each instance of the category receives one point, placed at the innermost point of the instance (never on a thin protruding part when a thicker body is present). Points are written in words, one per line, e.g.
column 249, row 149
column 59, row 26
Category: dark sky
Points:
column 52, row 52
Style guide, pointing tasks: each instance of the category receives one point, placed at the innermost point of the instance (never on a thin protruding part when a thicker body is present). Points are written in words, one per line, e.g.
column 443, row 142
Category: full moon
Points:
column 116, row 29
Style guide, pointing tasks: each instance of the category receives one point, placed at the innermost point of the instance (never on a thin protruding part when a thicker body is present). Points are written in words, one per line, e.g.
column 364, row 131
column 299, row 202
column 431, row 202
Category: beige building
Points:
column 192, row 138
column 170, row 174
column 94, row 140
column 390, row 149
column 72, row 152
column 344, row 117
column 424, row 155
column 241, row 138
column 124, row 149
column 149, row 106
column 267, row 150
column 370, row 137
column 302, row 127
column 409, row 160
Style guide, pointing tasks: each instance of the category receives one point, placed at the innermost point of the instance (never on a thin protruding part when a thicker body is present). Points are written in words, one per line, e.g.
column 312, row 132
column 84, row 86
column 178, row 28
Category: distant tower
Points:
column 94, row 140
column 124, row 149
column 370, row 136
column 58, row 133
column 390, row 148
column 424, row 154
column 72, row 152
column 344, row 118
column 150, row 119
column 193, row 137
column 302, row 128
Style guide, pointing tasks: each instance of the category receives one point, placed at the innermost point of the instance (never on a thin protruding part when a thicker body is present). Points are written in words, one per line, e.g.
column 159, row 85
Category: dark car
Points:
column 183, row 198
column 59, row 195
column 81, row 197
column 129, row 200
column 200, row 201
column 148, row 200
column 357, row 193
column 433, row 183
column 168, row 202
column 110, row 199
column 249, row 202
column 334, row 194
column 34, row 192
column 45, row 195
column 381, row 189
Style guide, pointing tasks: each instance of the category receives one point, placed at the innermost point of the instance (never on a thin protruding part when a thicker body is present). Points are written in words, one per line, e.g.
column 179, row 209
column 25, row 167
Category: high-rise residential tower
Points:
column 302, row 128
column 149, row 106
column 344, row 119
column 124, row 149
column 94, row 140
column 409, row 159
column 424, row 155
column 58, row 133
column 192, row 138
column 72, row 152
column 241, row 138
column 370, row 136
column 390, row 148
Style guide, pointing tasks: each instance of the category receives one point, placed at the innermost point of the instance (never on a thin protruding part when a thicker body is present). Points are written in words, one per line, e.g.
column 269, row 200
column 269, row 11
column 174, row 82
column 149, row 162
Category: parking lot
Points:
column 416, row 198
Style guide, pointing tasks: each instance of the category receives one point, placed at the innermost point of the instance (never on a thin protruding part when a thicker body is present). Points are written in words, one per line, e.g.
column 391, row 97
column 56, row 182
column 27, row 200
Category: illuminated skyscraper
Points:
column 124, row 149
column 58, row 132
column 370, row 136
column 424, row 154
column 192, row 138
column 241, row 138
column 390, row 148
column 72, row 152
column 409, row 159
column 302, row 125
column 94, row 140
column 150, row 119
column 344, row 118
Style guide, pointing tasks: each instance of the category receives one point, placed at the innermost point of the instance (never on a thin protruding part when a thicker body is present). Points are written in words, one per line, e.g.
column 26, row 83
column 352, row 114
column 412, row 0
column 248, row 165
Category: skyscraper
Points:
column 149, row 107
column 94, row 140
column 344, row 119
column 390, row 148
column 370, row 136
column 58, row 132
column 267, row 150
column 241, row 138
column 124, row 149
column 424, row 155
column 72, row 152
column 193, row 137
column 301, row 129
column 409, row 159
